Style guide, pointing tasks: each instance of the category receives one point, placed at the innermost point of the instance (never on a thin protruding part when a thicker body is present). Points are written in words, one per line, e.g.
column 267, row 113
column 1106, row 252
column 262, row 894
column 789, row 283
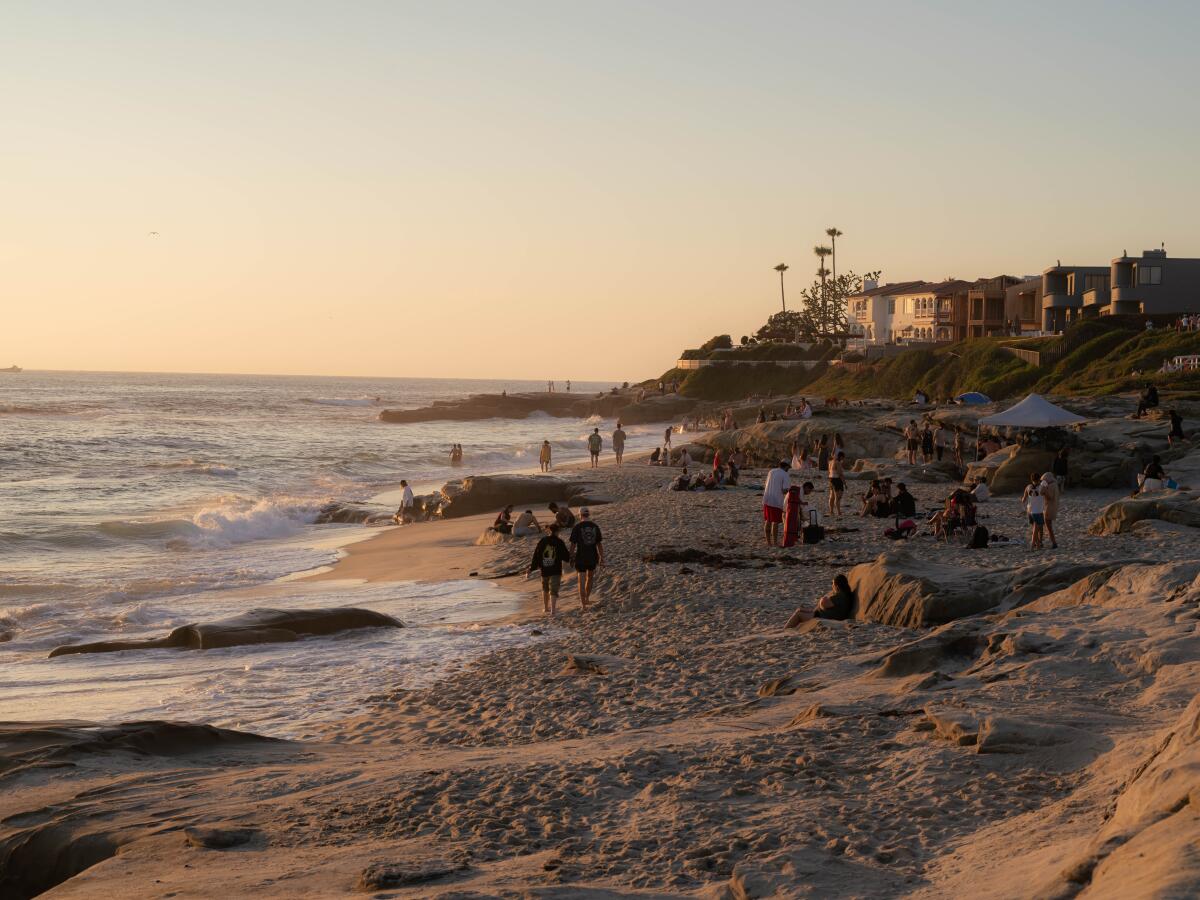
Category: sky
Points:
column 553, row 189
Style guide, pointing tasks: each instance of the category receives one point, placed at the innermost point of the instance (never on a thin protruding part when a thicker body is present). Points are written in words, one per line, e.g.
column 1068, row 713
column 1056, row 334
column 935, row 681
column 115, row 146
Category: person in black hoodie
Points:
column 548, row 558
column 904, row 504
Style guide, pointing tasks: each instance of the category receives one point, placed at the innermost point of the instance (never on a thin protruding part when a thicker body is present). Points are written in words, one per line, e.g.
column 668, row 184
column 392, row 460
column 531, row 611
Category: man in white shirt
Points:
column 404, row 513
column 774, row 492
column 981, row 491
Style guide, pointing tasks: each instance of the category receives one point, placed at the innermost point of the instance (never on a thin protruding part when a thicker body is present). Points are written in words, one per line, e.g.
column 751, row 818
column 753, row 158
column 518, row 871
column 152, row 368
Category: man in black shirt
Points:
column 548, row 558
column 904, row 503
column 587, row 552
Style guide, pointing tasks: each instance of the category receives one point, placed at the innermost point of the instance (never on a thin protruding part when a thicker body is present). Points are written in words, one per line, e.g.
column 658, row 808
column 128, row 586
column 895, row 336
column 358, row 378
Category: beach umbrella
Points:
column 972, row 398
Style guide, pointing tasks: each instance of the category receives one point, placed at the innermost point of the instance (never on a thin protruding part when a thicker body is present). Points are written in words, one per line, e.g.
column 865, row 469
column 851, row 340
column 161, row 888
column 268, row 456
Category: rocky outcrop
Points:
column 622, row 405
column 1177, row 507
column 489, row 493
column 898, row 588
column 258, row 626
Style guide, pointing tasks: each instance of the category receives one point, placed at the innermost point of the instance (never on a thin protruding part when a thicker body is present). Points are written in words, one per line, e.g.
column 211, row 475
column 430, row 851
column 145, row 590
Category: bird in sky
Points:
column 154, row 234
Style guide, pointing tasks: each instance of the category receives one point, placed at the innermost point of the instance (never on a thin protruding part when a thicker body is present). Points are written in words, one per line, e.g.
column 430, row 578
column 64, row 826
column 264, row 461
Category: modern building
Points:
column 1153, row 284
column 1069, row 292
column 986, row 302
column 1023, row 305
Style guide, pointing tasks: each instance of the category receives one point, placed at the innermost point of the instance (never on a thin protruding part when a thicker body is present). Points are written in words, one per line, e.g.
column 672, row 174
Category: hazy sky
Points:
column 553, row 189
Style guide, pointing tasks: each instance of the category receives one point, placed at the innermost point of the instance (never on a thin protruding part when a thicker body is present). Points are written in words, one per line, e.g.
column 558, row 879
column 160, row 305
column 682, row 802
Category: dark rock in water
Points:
column 219, row 838
column 622, row 405
column 488, row 493
column 382, row 876
column 352, row 514
column 258, row 626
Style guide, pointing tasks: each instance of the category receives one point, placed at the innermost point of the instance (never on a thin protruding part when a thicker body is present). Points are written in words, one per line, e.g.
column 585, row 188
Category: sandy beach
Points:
column 677, row 742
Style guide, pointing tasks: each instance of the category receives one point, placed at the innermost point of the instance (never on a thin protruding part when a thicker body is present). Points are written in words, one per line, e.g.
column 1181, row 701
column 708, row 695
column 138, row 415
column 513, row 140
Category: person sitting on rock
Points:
column 1154, row 476
column 526, row 525
column 503, row 523
column 838, row 604
column 563, row 516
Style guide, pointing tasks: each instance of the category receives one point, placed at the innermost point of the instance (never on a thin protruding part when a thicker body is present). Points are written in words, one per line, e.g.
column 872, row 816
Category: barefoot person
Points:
column 1035, row 506
column 618, row 443
column 837, row 483
column 595, row 442
column 837, row 604
column 1049, row 491
column 912, row 441
column 587, row 553
column 405, row 513
column 774, row 491
column 548, row 558
column 544, row 456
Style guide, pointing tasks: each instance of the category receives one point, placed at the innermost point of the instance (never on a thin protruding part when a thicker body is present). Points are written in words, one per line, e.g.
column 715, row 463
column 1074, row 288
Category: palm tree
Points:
column 823, row 273
column 834, row 234
column 781, row 268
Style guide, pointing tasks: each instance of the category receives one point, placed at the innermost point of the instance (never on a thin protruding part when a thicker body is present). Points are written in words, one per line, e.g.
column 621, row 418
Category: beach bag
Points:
column 901, row 530
column 977, row 538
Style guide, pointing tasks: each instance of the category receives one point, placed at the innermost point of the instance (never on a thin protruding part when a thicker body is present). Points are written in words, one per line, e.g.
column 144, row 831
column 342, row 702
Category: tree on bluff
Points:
column 823, row 313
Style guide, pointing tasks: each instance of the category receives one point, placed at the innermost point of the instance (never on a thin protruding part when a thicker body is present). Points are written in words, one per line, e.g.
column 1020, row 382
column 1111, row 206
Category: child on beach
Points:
column 548, row 558
column 544, row 456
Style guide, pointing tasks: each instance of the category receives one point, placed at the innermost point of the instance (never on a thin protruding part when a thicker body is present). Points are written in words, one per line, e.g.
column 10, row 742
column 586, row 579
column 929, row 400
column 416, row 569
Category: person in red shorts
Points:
column 774, row 492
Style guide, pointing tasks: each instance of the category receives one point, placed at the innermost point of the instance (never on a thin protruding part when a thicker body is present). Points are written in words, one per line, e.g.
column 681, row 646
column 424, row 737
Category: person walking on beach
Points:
column 958, row 451
column 912, row 441
column 837, row 483
column 1035, row 506
column 404, row 513
column 587, row 553
column 544, row 456
column 618, row 443
column 667, row 438
column 548, row 558
column 594, row 444
column 568, row 385
column 823, row 454
column 549, row 387
column 774, row 491
column 1049, row 492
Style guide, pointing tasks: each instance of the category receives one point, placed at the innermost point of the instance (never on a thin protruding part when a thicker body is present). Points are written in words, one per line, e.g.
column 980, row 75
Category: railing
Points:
column 702, row 363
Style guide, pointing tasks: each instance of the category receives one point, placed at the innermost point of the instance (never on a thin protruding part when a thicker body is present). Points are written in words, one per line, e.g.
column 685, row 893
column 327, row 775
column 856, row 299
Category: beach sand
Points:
column 677, row 742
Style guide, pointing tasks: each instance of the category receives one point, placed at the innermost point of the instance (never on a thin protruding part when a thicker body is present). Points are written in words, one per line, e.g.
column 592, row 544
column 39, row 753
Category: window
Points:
column 1149, row 274
column 1071, row 284
column 1095, row 282
column 891, row 304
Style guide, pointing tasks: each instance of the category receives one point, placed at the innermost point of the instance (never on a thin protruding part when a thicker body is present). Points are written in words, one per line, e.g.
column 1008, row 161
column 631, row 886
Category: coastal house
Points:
column 1023, row 304
column 1070, row 292
column 1152, row 284
column 871, row 311
column 932, row 312
column 986, row 305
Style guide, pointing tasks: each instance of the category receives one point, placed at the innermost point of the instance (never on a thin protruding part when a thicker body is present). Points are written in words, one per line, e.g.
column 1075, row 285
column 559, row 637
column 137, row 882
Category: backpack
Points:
column 977, row 538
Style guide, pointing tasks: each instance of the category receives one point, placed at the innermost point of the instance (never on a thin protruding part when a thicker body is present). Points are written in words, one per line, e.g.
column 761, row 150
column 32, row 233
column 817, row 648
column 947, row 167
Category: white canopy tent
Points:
column 1035, row 411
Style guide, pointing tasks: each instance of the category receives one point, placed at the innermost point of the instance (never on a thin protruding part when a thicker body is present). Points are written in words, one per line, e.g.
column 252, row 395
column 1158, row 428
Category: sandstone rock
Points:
column 1126, row 586
column 385, row 876
column 1178, row 507
column 953, row 646
column 258, row 626
column 219, row 838
column 487, row 493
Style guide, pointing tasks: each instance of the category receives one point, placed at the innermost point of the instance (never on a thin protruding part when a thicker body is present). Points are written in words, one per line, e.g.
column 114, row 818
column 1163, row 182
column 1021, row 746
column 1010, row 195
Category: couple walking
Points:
column 585, row 554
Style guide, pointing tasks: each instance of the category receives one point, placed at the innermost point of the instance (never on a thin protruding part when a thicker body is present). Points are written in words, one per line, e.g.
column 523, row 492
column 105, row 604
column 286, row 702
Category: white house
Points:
column 873, row 311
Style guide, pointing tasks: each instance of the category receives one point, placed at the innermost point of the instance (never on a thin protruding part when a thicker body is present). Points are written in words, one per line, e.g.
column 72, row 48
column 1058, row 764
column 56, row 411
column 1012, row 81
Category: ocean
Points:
column 134, row 503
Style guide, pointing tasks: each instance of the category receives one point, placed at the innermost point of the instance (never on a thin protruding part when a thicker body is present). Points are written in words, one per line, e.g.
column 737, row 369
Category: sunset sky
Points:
column 553, row 189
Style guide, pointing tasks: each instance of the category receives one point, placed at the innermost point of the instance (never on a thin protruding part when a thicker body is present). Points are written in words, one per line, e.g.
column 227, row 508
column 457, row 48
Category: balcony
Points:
column 1060, row 301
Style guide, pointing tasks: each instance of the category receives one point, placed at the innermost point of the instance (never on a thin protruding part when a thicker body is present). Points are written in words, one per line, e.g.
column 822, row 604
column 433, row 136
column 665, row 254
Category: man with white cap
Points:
column 587, row 552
